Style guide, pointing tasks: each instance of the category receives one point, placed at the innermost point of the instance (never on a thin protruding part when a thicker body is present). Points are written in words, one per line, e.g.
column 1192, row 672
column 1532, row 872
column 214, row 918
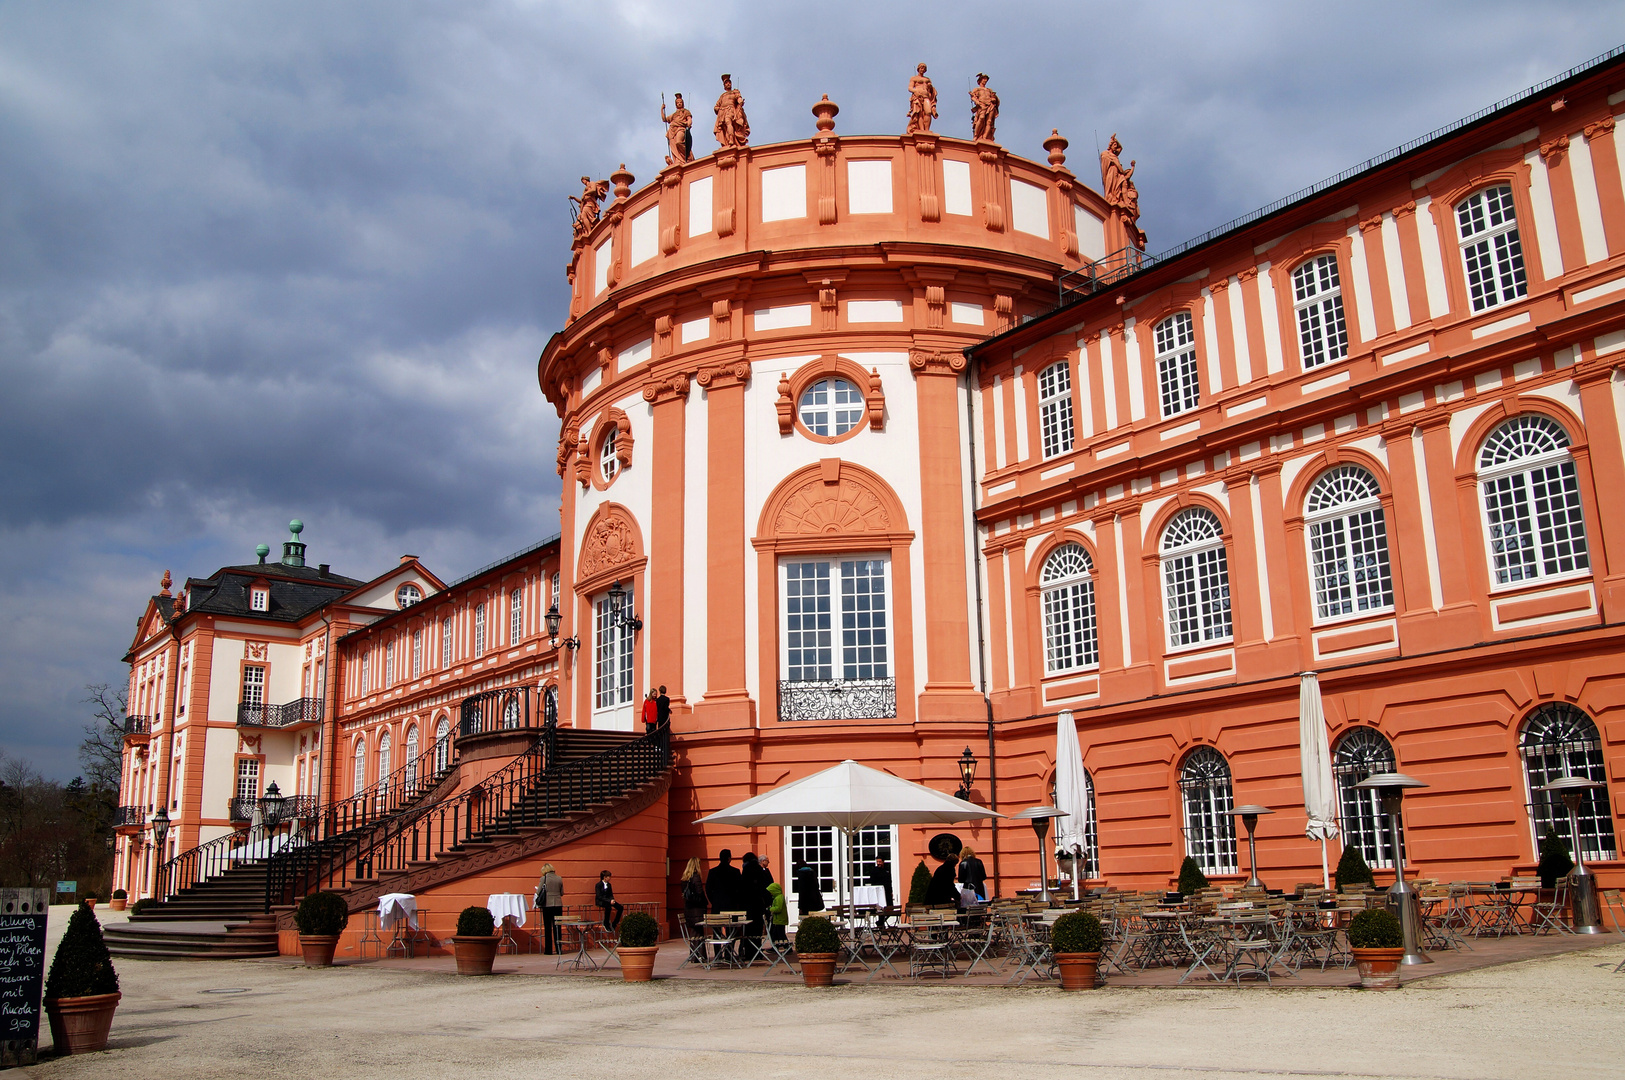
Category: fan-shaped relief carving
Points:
column 843, row 508
column 611, row 541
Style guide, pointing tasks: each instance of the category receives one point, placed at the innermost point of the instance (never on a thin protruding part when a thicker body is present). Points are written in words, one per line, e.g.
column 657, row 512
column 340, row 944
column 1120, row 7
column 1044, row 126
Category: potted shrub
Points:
column 919, row 884
column 1075, row 940
column 141, row 905
column 81, row 990
column 640, row 941
column 120, row 898
column 1378, row 944
column 1352, row 870
column 90, row 900
column 1191, row 878
column 321, row 917
column 475, row 943
column 817, row 947
column 1555, row 861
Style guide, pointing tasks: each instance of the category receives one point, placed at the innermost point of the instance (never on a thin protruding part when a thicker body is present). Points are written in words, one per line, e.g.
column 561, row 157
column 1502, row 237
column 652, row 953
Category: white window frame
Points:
column 386, row 762
column 442, row 745
column 1331, row 532
column 1518, row 477
column 360, row 773
column 845, row 645
column 417, row 654
column 1067, row 597
column 609, row 466
column 614, row 665
column 1206, row 571
column 1360, row 752
column 841, row 410
column 1055, row 425
column 1487, row 229
column 259, row 599
column 479, row 631
column 253, row 684
column 1317, row 292
column 516, row 616
column 389, row 663
column 410, row 764
column 446, row 634
column 248, row 778
column 407, row 595
column 1179, row 382
column 1209, row 828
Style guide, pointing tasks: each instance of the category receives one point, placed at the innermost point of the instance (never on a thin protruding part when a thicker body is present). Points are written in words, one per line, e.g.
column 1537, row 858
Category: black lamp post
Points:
column 160, row 830
column 967, row 774
column 1249, row 820
column 272, row 804
column 553, row 619
column 1402, row 897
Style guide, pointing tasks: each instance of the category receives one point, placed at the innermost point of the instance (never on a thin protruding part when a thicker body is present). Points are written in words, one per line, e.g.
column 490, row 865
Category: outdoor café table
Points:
column 575, row 934
column 1163, row 942
column 400, row 912
column 867, row 896
column 505, row 906
column 887, row 942
column 1246, row 923
column 725, row 932
column 1501, row 909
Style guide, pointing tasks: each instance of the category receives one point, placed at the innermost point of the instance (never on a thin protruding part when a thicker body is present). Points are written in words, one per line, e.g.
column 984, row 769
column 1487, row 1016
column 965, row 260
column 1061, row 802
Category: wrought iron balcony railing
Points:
column 137, row 725
column 294, row 807
column 299, row 711
column 129, row 815
column 838, row 699
column 503, row 709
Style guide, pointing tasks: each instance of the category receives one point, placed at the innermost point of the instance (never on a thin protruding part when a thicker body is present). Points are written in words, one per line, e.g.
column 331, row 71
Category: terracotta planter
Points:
column 474, row 954
column 637, row 962
column 117, row 904
column 817, row 969
column 318, row 949
column 1077, row 969
column 1379, row 968
column 90, row 902
column 79, row 1025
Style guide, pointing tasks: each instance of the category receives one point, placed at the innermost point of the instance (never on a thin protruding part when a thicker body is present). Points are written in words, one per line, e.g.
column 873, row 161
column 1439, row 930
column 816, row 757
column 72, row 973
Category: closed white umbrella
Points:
column 849, row 797
column 1071, row 795
column 1319, row 790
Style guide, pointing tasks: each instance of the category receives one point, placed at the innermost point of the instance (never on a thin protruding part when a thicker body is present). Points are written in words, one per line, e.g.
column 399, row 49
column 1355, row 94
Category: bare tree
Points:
column 101, row 753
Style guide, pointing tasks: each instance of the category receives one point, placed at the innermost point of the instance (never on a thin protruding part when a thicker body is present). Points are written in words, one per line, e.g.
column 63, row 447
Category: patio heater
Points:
column 1249, row 819
column 1583, row 912
column 1040, row 817
column 1402, row 897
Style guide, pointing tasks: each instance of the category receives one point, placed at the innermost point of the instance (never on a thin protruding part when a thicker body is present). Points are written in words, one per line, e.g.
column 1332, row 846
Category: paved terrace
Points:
column 1520, row 1010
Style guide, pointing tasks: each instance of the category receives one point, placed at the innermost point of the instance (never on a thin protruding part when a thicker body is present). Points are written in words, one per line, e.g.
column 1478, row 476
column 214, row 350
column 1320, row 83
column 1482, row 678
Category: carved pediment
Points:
column 843, row 508
column 611, row 541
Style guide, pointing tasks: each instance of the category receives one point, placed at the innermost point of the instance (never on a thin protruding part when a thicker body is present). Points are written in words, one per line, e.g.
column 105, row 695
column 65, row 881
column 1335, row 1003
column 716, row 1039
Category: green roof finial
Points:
column 296, row 526
column 262, row 551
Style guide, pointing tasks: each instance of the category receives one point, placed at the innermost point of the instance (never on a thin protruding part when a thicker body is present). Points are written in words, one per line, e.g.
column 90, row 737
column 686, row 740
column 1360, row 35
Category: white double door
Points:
column 825, row 850
column 614, row 703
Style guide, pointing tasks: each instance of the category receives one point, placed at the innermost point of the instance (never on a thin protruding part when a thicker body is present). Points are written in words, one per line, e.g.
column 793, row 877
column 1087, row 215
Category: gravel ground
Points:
column 1550, row 1018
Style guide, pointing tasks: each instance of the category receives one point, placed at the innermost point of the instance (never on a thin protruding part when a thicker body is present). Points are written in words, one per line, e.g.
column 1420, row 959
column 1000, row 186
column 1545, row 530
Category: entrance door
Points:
column 613, row 707
column 824, row 849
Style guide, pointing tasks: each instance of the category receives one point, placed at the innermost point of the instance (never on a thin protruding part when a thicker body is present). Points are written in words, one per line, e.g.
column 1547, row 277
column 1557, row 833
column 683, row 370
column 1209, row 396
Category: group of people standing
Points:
column 748, row 887
column 549, row 900
column 956, row 876
column 656, row 709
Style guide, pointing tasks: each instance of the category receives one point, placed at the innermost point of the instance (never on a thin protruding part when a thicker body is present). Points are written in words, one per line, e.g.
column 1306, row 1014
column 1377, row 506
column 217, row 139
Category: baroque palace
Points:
column 895, row 448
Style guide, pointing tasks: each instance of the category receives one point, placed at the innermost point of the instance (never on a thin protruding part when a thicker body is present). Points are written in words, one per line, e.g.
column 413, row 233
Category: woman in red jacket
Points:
column 651, row 711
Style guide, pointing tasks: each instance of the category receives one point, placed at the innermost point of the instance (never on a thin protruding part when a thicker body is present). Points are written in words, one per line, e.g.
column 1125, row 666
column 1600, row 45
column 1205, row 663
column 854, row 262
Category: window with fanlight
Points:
column 1317, row 294
column 1491, row 252
column 1210, row 830
column 1177, row 376
column 1071, row 641
column 1348, row 543
column 1360, row 753
column 1531, row 497
column 1195, row 579
column 609, row 466
column 1561, row 740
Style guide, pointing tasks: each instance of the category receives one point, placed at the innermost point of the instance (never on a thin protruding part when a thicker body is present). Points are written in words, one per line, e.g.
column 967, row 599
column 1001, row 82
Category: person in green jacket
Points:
column 778, row 915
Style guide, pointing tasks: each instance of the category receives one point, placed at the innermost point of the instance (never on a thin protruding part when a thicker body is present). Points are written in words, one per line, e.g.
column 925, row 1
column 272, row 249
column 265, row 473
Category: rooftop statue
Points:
column 1117, row 185
column 592, row 193
column 984, row 110
column 732, row 129
column 679, row 132
column 922, row 103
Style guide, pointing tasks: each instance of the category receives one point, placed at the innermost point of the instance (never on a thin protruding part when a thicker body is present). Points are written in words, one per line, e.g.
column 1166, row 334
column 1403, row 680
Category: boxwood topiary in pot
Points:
column 919, row 884
column 817, row 947
column 119, row 899
column 81, row 990
column 1378, row 943
column 640, row 943
column 1076, row 939
column 1555, row 861
column 1191, row 878
column 1352, row 869
column 475, row 943
column 321, row 917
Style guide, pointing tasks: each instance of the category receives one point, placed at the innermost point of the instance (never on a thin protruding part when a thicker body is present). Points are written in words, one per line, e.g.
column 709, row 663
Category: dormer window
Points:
column 259, row 598
column 407, row 595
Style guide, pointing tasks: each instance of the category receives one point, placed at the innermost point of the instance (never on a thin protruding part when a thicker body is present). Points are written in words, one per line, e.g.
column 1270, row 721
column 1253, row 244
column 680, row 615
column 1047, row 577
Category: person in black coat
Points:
column 753, row 882
column 724, row 888
column 943, row 888
column 879, row 873
column 809, row 894
column 973, row 873
column 603, row 894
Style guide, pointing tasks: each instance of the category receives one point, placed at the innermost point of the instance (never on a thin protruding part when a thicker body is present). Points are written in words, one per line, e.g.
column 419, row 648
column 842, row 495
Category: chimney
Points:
column 406, row 559
column 322, row 569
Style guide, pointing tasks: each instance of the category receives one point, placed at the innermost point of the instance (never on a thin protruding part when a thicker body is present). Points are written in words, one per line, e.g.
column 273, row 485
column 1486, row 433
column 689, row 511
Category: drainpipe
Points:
column 981, row 626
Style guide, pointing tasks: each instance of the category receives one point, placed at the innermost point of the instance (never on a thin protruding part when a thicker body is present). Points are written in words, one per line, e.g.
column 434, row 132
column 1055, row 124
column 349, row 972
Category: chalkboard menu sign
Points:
column 23, row 913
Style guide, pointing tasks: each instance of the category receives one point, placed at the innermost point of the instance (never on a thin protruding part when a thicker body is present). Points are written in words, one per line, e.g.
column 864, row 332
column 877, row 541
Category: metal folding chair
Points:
column 1203, row 941
column 776, row 953
column 1547, row 915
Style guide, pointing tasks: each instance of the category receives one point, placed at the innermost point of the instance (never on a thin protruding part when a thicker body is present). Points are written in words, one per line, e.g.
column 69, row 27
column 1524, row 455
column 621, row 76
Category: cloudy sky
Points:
column 260, row 261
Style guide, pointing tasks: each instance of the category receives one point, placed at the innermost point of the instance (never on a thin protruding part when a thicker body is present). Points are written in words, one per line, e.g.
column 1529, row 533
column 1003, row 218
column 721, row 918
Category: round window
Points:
column 831, row 407
column 407, row 595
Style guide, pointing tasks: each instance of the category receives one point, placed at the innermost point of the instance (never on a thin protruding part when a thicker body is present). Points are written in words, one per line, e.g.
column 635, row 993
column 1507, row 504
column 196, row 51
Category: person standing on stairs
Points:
column 651, row 712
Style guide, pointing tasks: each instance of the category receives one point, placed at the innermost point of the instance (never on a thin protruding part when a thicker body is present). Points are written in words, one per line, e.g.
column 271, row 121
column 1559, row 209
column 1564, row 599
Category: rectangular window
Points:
column 366, row 674
column 814, row 592
column 807, row 622
column 248, row 778
column 1055, row 408
column 1176, row 364
column 389, row 663
column 612, row 655
column 555, row 590
column 417, row 654
column 516, row 616
column 259, row 599
column 479, row 630
column 253, row 685
column 1490, row 248
column 445, row 644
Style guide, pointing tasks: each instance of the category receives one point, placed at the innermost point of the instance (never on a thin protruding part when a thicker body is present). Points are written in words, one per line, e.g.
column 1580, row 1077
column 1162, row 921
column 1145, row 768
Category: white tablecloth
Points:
column 869, row 895
column 395, row 906
column 502, row 905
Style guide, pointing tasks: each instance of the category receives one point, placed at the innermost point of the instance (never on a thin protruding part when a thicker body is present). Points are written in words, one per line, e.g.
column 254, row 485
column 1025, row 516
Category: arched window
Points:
column 510, row 712
column 1210, row 831
column 1490, row 250
column 1361, row 753
column 1091, row 839
column 1055, row 408
column 1195, row 579
column 1070, row 638
column 1317, row 295
column 1561, row 740
column 831, row 407
column 550, row 706
column 1531, row 501
column 383, row 762
column 411, row 755
column 1348, row 543
column 360, row 767
column 442, row 745
column 1177, row 377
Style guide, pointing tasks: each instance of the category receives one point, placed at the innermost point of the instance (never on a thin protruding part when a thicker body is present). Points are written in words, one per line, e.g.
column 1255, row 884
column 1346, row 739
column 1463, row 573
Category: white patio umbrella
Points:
column 849, row 797
column 1071, row 794
column 1319, row 791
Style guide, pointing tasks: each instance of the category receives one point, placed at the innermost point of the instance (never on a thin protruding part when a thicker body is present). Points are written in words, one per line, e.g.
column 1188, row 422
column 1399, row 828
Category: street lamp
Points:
column 1402, row 898
column 160, row 826
column 967, row 774
column 1584, row 916
column 553, row 618
column 1040, row 817
column 1249, row 819
column 272, row 804
column 618, row 614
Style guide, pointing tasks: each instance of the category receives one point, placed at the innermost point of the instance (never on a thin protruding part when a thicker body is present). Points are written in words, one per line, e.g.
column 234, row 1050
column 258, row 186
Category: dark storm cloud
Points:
column 259, row 261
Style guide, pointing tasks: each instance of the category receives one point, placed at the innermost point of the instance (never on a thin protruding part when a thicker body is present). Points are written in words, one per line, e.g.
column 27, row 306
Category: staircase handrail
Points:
column 199, row 864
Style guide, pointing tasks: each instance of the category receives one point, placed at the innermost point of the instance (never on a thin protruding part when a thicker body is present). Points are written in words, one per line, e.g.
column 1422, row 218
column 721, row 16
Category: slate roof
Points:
column 296, row 591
